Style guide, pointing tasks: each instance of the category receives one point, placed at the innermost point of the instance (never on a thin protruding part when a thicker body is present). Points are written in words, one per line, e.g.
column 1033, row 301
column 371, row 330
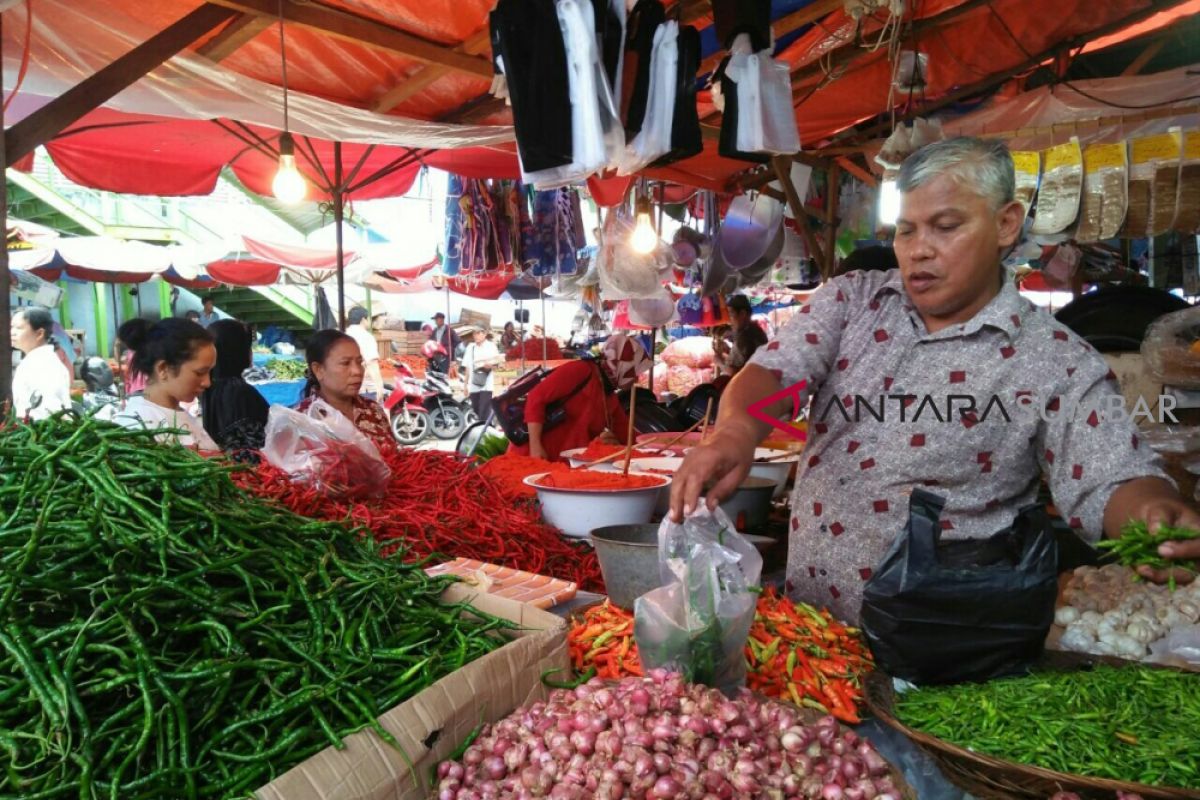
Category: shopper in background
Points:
column 192, row 316
column 335, row 375
column 178, row 357
column 443, row 334
column 587, row 394
column 479, row 360
column 747, row 337
column 510, row 338
column 133, row 381
column 233, row 411
column 209, row 315
column 41, row 384
column 359, row 330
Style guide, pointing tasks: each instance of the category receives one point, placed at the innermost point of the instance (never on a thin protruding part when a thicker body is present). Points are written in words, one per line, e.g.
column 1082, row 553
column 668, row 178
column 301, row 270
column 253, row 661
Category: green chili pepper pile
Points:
column 1130, row 724
column 1137, row 547
column 286, row 369
column 163, row 634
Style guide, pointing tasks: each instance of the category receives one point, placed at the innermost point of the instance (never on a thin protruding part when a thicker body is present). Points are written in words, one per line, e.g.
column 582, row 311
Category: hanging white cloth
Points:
column 596, row 133
column 654, row 139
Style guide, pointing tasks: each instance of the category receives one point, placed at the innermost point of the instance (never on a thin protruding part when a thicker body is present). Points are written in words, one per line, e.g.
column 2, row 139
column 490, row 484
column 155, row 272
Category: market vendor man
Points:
column 938, row 346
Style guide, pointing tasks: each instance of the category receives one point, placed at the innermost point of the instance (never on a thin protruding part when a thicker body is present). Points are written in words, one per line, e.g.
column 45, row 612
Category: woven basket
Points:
column 990, row 778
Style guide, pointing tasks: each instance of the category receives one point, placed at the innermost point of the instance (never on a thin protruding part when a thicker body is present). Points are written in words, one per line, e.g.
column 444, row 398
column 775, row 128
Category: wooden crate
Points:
column 475, row 318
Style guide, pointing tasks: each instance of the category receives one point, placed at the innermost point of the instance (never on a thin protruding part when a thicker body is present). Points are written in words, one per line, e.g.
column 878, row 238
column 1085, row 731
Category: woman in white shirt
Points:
column 41, row 383
column 177, row 356
column 480, row 358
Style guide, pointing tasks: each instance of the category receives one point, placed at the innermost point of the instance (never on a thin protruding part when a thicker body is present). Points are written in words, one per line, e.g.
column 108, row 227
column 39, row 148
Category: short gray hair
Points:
column 984, row 165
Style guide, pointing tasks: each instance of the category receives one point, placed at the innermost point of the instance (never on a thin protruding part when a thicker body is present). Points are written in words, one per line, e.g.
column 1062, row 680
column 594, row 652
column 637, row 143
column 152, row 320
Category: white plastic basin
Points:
column 776, row 471
column 576, row 512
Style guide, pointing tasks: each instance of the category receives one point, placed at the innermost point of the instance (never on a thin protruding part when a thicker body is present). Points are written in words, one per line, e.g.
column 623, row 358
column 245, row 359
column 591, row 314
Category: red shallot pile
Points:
column 659, row 737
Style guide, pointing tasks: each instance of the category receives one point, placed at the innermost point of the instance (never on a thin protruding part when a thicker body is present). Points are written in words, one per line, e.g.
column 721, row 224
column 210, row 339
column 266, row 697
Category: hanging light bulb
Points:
column 644, row 238
column 289, row 185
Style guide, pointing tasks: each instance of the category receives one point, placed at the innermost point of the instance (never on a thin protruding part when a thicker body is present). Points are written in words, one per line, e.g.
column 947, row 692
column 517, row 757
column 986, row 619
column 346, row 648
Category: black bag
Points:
column 479, row 376
column 509, row 407
column 965, row 610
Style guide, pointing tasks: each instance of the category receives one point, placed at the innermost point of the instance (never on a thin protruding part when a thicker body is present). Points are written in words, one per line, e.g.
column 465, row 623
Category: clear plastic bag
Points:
column 323, row 449
column 1171, row 349
column 698, row 621
column 1182, row 643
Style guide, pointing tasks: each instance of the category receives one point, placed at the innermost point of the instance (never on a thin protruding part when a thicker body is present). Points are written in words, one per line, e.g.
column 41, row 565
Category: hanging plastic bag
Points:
column 654, row 139
column 961, row 610
column 697, row 622
column 323, row 449
column 1102, row 207
column 766, row 119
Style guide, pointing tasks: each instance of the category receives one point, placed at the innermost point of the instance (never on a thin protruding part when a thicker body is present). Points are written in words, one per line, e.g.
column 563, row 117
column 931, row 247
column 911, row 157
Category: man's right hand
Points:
column 724, row 462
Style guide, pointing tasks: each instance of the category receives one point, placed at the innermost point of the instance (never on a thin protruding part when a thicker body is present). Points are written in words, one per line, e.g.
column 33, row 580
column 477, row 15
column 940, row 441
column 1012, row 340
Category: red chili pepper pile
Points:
column 511, row 469
column 597, row 450
column 598, row 481
column 437, row 503
column 798, row 653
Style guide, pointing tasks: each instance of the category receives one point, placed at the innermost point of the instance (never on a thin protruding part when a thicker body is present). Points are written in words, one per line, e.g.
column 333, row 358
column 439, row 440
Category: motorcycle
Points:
column 100, row 396
column 420, row 407
column 447, row 415
column 405, row 405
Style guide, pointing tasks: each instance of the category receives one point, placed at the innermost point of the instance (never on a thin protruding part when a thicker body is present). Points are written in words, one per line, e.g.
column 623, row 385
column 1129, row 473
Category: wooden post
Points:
column 831, row 210
column 339, row 200
column 6, row 366
column 783, row 171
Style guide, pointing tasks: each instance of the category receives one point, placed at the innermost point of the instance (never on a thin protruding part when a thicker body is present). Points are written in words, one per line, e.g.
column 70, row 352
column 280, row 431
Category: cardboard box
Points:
column 435, row 722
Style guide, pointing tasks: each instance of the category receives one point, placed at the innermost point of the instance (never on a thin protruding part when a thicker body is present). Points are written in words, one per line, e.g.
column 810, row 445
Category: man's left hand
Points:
column 1173, row 512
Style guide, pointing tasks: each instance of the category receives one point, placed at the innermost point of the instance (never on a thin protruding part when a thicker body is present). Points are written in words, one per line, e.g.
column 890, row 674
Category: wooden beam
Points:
column 1144, row 57
column 782, row 166
column 98, row 89
column 849, row 52
column 353, row 28
column 1062, row 48
column 425, row 77
column 231, row 38
column 813, row 12
column 854, row 169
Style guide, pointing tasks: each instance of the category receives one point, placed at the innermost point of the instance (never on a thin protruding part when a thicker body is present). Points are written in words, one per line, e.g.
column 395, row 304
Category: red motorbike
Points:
column 405, row 404
column 418, row 408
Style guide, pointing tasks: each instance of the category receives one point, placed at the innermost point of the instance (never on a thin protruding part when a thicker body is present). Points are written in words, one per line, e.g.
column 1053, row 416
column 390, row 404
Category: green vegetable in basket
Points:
column 1132, row 724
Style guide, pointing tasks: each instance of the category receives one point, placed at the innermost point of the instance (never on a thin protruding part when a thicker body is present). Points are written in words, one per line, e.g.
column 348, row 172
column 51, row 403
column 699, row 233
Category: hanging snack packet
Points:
column 1028, row 165
column 1058, row 199
column 1102, row 208
column 1187, row 218
column 1153, row 184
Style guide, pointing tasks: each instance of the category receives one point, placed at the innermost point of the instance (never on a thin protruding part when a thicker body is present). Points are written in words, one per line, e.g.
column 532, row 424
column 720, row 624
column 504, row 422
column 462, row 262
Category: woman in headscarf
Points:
column 578, row 401
column 234, row 413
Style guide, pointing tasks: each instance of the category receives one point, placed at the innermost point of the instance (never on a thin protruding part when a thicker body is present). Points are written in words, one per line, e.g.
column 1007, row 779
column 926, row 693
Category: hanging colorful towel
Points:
column 557, row 232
